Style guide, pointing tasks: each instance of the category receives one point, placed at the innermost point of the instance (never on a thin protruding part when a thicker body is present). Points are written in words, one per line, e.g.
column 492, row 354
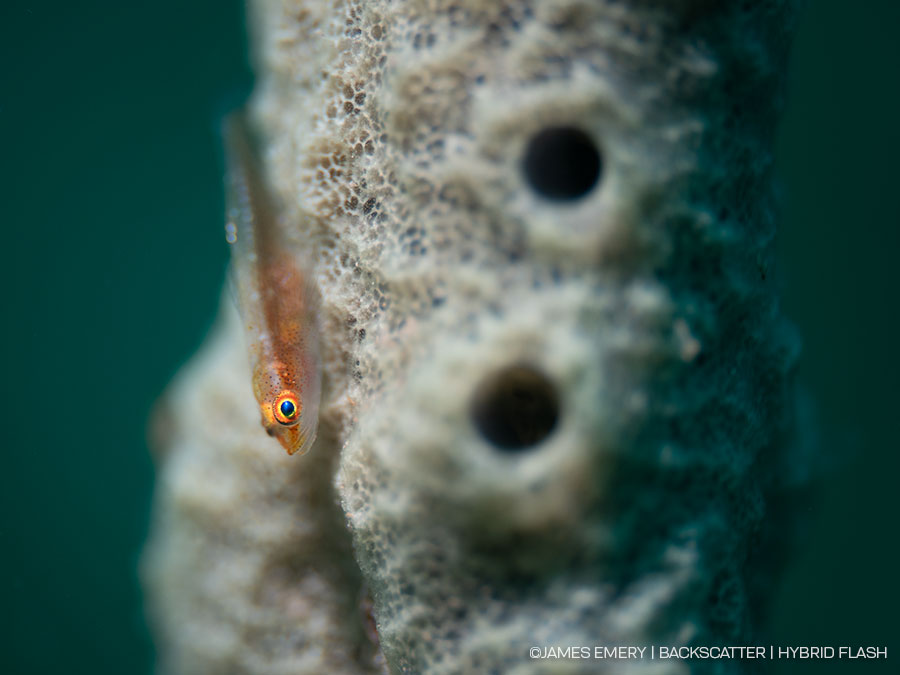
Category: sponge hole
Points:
column 562, row 163
column 515, row 408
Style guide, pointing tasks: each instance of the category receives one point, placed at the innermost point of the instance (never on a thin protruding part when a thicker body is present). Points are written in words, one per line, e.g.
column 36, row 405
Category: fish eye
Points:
column 286, row 408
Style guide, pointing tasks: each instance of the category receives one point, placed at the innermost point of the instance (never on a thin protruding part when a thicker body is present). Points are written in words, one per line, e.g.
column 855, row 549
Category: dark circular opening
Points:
column 515, row 408
column 562, row 163
column 287, row 408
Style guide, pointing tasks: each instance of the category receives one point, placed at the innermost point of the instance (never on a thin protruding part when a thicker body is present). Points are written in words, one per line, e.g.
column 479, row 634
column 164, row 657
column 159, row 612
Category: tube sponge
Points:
column 558, row 399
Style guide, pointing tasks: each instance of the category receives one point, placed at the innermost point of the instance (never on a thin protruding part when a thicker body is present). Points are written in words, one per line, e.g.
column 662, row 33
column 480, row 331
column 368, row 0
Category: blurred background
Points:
column 113, row 260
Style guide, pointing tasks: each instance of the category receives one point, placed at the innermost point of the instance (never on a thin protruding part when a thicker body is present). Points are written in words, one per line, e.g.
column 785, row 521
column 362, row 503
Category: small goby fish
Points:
column 275, row 296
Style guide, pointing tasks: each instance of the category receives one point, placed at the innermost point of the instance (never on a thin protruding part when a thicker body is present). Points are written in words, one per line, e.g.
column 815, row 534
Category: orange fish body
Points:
column 276, row 300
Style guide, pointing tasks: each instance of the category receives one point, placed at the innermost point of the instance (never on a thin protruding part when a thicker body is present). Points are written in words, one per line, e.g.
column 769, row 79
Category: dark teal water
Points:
column 112, row 261
column 840, row 236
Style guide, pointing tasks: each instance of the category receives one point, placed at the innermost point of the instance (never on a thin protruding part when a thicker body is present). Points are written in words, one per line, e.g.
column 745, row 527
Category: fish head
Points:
column 283, row 419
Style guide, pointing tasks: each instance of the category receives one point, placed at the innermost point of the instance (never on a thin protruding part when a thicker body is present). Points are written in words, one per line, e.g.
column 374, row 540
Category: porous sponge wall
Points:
column 396, row 135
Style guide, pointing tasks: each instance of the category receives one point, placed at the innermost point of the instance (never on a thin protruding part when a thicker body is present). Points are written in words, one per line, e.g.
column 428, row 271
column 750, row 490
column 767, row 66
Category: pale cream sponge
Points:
column 635, row 320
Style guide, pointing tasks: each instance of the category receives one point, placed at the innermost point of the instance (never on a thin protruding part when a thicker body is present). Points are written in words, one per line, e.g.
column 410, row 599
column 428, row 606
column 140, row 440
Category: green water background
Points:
column 112, row 262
